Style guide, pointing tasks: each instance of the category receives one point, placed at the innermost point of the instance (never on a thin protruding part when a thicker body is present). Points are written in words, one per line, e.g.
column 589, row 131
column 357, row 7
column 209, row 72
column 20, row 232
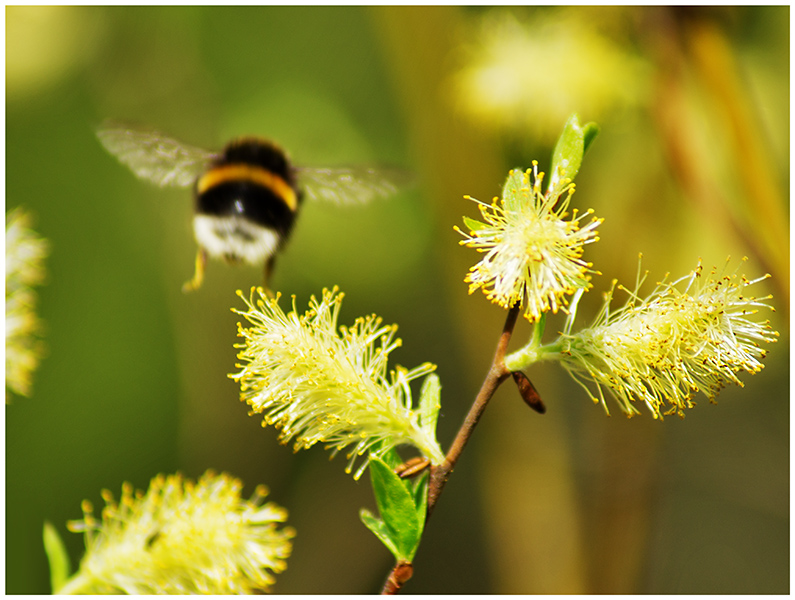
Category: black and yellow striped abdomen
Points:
column 246, row 202
column 252, row 180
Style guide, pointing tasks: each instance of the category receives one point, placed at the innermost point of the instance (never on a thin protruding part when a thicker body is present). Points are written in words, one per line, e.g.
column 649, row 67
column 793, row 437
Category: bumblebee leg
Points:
column 198, row 275
column 267, row 276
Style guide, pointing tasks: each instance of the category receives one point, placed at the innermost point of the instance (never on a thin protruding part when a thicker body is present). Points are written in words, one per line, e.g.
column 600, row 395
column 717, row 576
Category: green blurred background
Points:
column 692, row 162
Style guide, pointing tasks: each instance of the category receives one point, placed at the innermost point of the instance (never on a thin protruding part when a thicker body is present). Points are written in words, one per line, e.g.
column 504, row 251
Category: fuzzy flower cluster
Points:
column 182, row 537
column 319, row 382
column 532, row 253
column 675, row 343
column 25, row 253
column 525, row 76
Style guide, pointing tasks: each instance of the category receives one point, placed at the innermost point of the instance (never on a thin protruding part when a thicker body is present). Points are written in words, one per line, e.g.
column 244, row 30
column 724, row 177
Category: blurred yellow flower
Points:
column 25, row 253
column 532, row 254
column 318, row 382
column 526, row 77
column 182, row 537
column 45, row 44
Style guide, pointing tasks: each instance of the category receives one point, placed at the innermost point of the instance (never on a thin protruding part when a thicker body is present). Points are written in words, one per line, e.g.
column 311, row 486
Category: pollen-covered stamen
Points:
column 182, row 537
column 319, row 382
column 533, row 254
column 664, row 349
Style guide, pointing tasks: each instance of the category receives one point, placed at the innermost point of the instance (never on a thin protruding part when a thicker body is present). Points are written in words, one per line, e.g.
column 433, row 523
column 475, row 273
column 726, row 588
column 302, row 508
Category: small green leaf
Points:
column 420, row 493
column 57, row 557
column 473, row 225
column 392, row 458
column 511, row 195
column 398, row 511
column 429, row 404
column 378, row 527
column 568, row 153
column 590, row 131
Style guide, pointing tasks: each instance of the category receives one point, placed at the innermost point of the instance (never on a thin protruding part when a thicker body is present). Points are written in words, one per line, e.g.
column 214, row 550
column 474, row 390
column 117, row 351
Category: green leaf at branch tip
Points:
column 590, row 131
column 569, row 150
column 402, row 525
column 430, row 404
column 567, row 156
column 56, row 556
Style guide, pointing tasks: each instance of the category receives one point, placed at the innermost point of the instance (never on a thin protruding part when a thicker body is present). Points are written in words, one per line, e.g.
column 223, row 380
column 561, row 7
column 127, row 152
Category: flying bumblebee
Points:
column 246, row 197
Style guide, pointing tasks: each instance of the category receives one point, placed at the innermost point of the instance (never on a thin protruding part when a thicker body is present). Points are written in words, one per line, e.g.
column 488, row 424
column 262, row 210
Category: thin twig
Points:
column 498, row 373
column 400, row 574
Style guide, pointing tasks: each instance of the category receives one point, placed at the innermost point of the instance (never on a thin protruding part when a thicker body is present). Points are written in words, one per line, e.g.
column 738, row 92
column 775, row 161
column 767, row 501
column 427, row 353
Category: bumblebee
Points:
column 246, row 197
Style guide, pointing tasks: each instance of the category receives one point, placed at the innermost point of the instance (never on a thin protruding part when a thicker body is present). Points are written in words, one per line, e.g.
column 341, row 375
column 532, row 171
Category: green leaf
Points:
column 401, row 523
column 473, row 225
column 429, row 404
column 392, row 458
column 511, row 195
column 378, row 527
column 590, row 131
column 57, row 557
column 420, row 493
column 568, row 153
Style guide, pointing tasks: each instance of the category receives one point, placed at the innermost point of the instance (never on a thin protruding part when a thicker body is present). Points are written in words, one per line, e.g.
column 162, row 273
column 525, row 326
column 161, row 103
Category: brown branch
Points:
column 496, row 375
column 400, row 574
column 402, row 571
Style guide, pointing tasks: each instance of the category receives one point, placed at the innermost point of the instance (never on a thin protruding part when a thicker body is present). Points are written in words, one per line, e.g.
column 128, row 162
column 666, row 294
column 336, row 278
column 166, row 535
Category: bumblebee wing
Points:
column 153, row 156
column 351, row 185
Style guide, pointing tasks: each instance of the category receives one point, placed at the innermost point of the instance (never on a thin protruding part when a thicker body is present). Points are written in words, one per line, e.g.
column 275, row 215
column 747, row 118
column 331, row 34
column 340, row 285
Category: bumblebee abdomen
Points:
column 252, row 179
column 258, row 152
column 246, row 202
column 249, row 200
